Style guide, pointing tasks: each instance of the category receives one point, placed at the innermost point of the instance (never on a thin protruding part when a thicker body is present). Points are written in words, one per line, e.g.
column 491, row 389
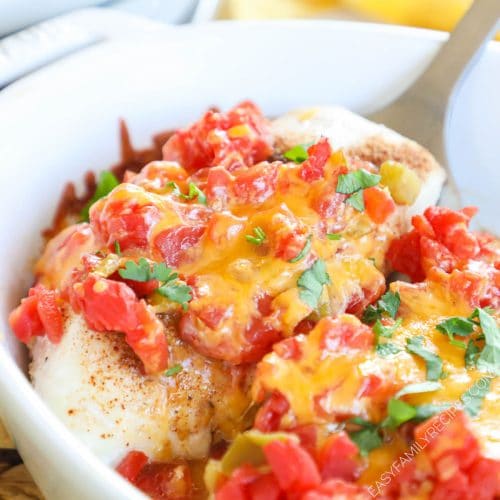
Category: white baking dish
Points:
column 62, row 121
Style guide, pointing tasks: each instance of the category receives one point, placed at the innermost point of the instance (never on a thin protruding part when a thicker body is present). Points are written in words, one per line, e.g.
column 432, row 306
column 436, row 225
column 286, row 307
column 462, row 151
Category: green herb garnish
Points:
column 433, row 363
column 297, row 154
column 118, row 249
column 368, row 438
column 106, row 183
column 139, row 271
column 398, row 412
column 357, row 201
column 193, row 192
column 334, row 236
column 471, row 354
column 259, row 238
column 176, row 293
column 305, row 250
column 472, row 398
column 174, row 370
column 387, row 305
column 387, row 349
column 418, row 388
column 489, row 359
column 311, row 283
column 169, row 287
column 456, row 326
column 355, row 181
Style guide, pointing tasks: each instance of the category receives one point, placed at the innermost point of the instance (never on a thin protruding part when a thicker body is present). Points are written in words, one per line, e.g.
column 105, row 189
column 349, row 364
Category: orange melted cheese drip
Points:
column 340, row 375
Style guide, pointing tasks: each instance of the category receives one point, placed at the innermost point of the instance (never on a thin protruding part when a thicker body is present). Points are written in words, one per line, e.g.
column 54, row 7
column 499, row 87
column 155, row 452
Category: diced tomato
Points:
column 173, row 243
column 37, row 314
column 110, row 306
column 313, row 168
column 337, row 334
column 293, row 467
column 141, row 288
column 304, row 326
column 484, row 479
column 260, row 337
column 237, row 486
column 212, row 315
column 223, row 228
column 25, row 320
column 404, row 256
column 454, row 439
column 241, row 344
column 219, row 187
column 379, row 204
column 308, row 435
column 122, row 218
column 255, row 185
column 269, row 416
column 289, row 348
column 329, row 204
column 423, row 226
column 165, row 481
column 435, row 254
column 450, row 227
column 339, row 458
column 49, row 312
column 337, row 489
column 132, row 464
column 265, row 487
column 157, row 174
column 240, row 137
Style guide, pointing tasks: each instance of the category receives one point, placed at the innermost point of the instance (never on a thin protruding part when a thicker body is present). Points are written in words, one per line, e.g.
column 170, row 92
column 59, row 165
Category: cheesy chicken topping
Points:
column 219, row 323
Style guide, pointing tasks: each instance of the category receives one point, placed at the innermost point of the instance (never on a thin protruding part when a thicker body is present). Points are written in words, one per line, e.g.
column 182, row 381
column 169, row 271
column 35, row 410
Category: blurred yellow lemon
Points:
column 435, row 14
column 269, row 9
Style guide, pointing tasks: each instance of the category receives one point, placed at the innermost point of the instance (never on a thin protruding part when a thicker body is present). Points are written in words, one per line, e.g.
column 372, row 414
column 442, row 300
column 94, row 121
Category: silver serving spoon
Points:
column 423, row 112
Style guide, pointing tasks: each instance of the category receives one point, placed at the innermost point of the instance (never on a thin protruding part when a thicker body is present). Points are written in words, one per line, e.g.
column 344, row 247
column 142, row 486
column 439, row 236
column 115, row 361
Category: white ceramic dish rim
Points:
column 16, row 391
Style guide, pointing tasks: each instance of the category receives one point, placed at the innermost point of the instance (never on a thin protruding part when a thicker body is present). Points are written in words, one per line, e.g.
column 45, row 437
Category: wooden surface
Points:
column 15, row 480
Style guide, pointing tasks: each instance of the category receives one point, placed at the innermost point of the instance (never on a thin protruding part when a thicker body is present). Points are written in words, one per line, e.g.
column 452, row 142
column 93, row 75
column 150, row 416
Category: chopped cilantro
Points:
column 118, row 249
column 297, row 154
column 311, row 283
column 355, row 181
column 366, row 439
column 489, row 359
column 139, row 271
column 169, row 288
column 305, row 250
column 461, row 327
column 106, row 183
column 472, row 398
column 176, row 293
column 163, row 273
column 433, row 363
column 398, row 412
column 357, row 201
column 334, row 236
column 259, row 238
column 381, row 330
column 418, row 387
column 387, row 305
column 193, row 192
column 173, row 370
column 175, row 188
column 471, row 354
column 387, row 349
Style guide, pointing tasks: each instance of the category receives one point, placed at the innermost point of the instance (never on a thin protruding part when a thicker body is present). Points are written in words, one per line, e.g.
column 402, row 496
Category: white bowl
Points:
column 61, row 121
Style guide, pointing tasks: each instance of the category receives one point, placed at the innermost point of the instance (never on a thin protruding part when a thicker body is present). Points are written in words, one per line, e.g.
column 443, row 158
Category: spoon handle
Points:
column 448, row 70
